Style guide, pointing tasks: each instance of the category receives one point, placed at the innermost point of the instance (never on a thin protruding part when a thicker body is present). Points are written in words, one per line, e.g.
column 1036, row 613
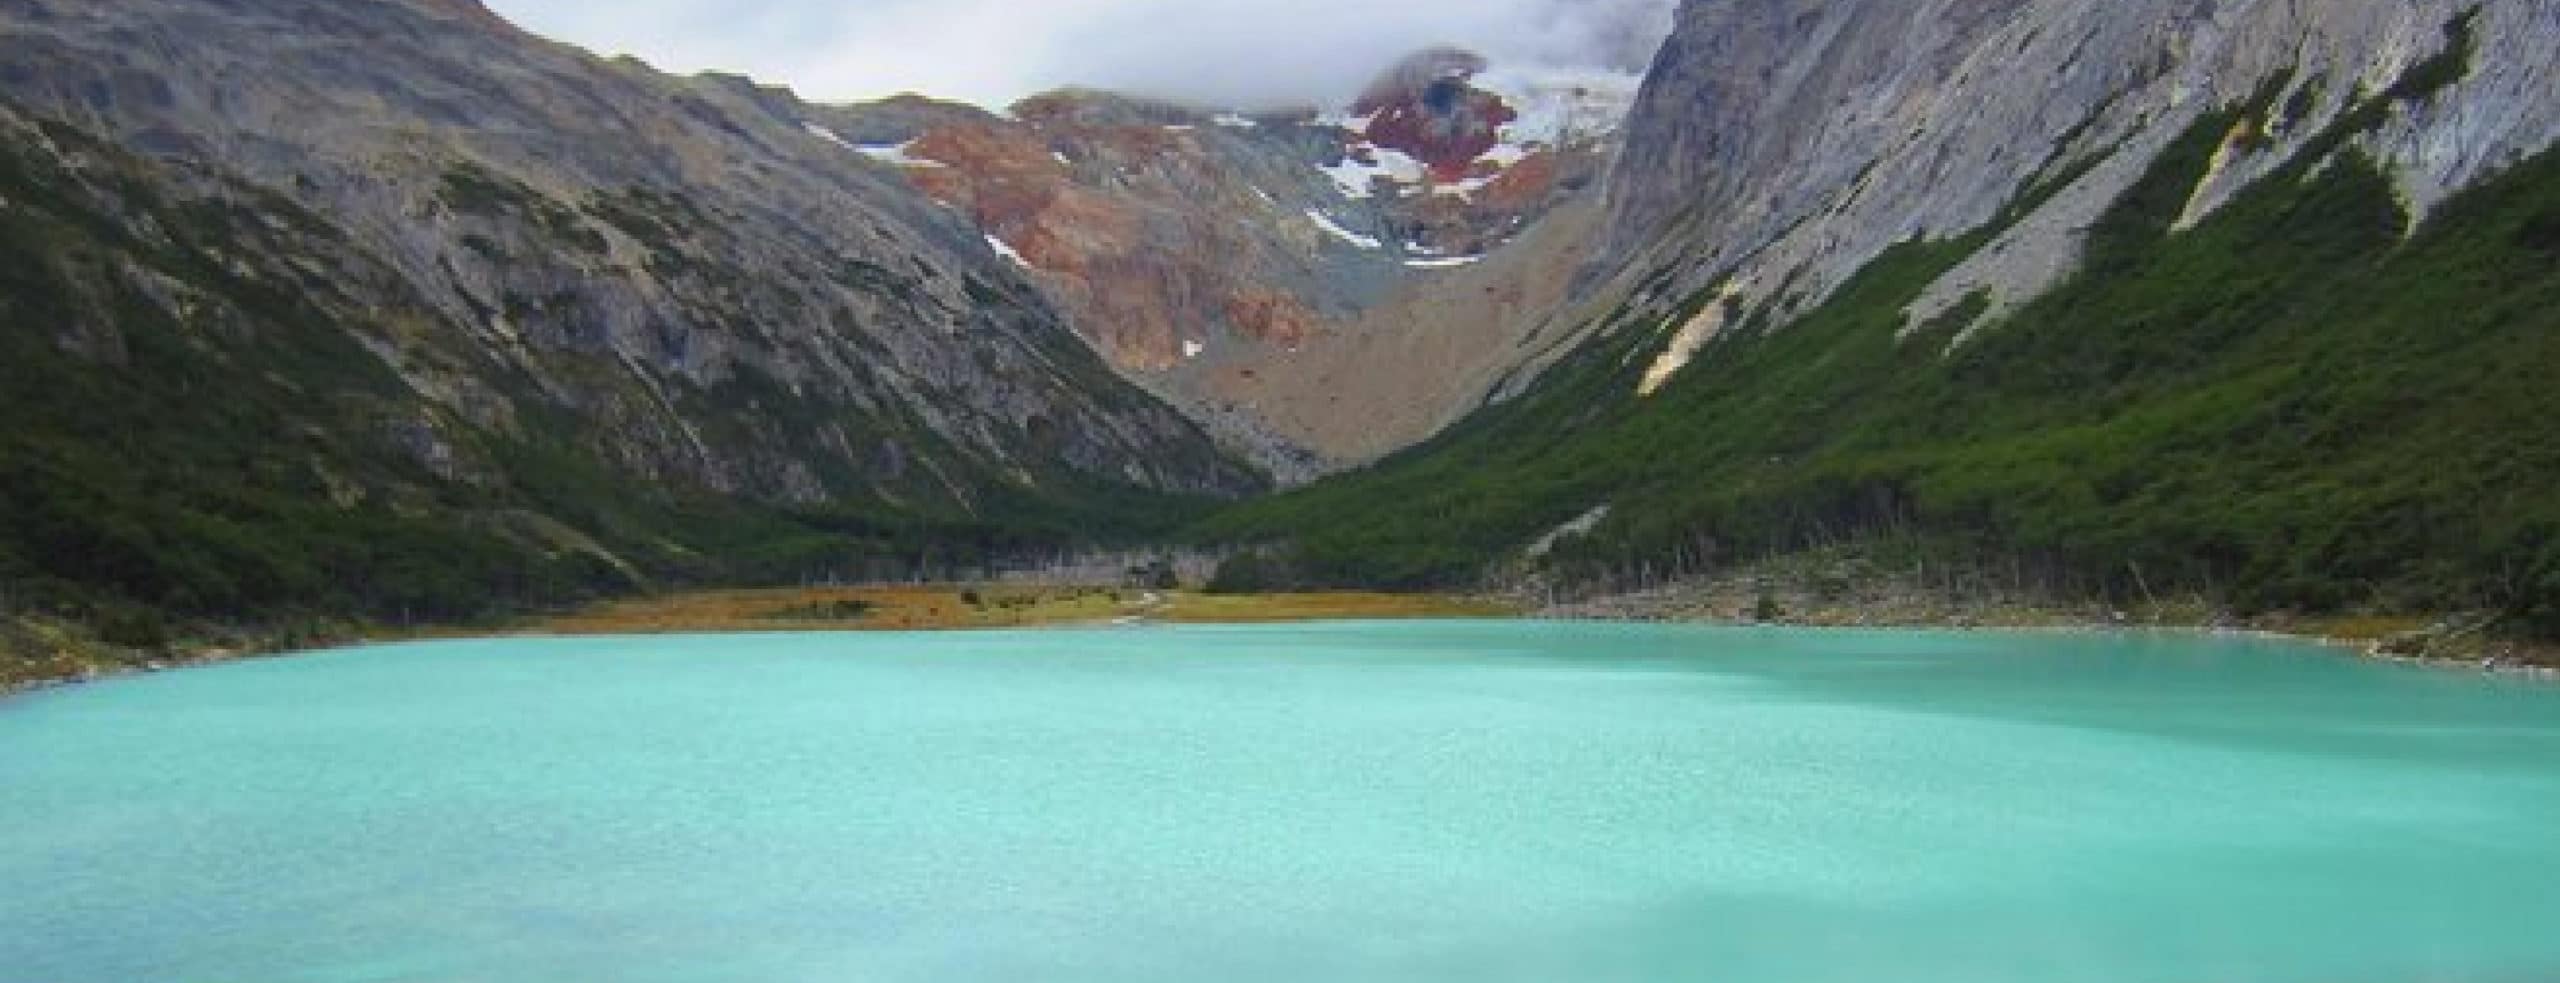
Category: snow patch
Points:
column 894, row 154
column 1462, row 189
column 1192, row 349
column 1356, row 178
column 1555, row 107
column 1443, row 263
column 1006, row 250
column 897, row 154
column 1335, row 229
column 1345, row 121
column 1233, row 121
column 1562, row 105
column 827, row 135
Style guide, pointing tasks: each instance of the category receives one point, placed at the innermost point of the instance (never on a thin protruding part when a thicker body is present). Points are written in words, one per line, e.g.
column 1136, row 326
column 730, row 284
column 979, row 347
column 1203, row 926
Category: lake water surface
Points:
column 1388, row 802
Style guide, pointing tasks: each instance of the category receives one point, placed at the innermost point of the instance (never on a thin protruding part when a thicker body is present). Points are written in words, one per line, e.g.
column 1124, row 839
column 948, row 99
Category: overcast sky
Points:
column 1229, row 52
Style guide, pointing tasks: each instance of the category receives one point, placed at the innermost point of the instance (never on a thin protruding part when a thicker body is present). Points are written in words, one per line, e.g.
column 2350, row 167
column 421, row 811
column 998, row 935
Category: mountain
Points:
column 390, row 307
column 1782, row 147
column 1249, row 265
column 2250, row 301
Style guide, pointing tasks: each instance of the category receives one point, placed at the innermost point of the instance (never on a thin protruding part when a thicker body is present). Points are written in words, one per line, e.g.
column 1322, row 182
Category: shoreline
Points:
column 2361, row 649
column 2443, row 642
column 943, row 608
column 65, row 655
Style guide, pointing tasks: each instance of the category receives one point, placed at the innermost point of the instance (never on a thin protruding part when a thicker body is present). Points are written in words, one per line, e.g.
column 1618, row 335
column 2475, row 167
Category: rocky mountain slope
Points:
column 295, row 280
column 1216, row 255
column 1781, row 147
column 2252, row 300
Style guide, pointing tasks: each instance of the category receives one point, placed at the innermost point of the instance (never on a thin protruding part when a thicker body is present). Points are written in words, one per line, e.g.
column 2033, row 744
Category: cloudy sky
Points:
column 1226, row 52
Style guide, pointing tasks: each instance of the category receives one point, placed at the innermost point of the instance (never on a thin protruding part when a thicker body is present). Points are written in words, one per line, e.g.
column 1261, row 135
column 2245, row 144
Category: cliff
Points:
column 2248, row 304
column 1779, row 146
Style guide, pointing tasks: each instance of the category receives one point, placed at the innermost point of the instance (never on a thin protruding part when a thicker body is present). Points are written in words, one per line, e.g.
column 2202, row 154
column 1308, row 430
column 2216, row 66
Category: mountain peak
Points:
column 1442, row 69
column 1428, row 107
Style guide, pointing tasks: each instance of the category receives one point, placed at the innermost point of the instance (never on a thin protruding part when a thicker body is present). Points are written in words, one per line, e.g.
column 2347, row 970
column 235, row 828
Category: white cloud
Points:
column 1226, row 52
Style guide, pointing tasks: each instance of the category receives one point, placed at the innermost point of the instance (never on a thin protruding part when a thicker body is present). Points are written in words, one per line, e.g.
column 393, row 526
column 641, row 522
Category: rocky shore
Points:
column 40, row 653
column 1800, row 597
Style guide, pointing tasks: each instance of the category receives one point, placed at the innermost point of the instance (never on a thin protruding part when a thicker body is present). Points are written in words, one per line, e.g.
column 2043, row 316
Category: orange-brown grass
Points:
column 930, row 608
column 837, row 609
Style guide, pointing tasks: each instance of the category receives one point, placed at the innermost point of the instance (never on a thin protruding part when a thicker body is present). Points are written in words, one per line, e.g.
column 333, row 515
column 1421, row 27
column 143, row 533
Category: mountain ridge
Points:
column 2186, row 296
column 1885, row 125
column 463, row 306
column 1224, row 258
column 2212, row 327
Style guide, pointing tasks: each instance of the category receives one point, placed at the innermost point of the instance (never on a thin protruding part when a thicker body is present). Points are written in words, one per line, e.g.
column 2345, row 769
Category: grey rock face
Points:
column 1212, row 255
column 1780, row 145
column 713, row 294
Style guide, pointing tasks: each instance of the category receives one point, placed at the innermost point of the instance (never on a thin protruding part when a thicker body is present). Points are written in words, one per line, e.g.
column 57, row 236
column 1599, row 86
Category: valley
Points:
column 2244, row 305
column 1945, row 491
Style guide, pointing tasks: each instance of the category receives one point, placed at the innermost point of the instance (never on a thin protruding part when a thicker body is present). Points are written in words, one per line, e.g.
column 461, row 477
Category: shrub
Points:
column 132, row 627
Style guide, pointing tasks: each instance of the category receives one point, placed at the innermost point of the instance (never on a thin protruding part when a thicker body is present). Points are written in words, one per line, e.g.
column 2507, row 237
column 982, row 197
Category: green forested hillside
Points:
column 196, row 427
column 2298, row 404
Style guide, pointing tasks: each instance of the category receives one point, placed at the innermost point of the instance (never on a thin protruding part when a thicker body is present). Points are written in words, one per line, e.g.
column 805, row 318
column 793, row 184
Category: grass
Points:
column 952, row 607
column 36, row 649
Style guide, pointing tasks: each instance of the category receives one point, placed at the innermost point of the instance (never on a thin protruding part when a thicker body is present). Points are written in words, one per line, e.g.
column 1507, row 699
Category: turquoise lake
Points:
column 1362, row 802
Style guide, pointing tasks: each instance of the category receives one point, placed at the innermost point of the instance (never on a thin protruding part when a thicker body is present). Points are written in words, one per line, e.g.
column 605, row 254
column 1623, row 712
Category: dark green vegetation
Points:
column 195, row 433
column 2301, row 404
column 2297, row 405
